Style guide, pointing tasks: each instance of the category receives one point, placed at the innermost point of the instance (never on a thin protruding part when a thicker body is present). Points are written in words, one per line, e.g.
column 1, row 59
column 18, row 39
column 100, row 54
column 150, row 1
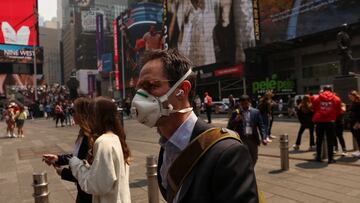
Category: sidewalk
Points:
column 306, row 181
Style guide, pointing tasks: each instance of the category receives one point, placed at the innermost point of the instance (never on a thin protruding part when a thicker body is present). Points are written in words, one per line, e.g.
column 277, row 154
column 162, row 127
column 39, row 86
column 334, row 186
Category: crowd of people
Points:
column 197, row 162
column 323, row 115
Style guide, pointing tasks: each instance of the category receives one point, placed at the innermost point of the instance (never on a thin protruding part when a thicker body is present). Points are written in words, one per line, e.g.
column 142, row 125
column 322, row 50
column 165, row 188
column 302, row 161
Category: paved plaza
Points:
column 306, row 181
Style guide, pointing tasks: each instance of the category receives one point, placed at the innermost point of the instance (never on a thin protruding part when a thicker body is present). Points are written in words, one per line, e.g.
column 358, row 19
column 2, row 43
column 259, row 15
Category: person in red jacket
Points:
column 327, row 106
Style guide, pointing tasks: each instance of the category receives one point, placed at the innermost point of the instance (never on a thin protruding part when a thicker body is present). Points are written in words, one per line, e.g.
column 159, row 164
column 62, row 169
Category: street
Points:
column 306, row 181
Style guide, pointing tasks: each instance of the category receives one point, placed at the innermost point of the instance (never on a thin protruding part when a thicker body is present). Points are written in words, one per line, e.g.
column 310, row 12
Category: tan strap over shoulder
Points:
column 188, row 158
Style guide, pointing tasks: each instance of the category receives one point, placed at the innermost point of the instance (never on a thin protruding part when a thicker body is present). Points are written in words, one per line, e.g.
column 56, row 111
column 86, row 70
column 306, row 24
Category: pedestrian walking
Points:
column 247, row 121
column 10, row 121
column 197, row 102
column 354, row 110
column 105, row 174
column 59, row 114
column 81, row 114
column 20, row 118
column 224, row 172
column 273, row 105
column 208, row 105
column 264, row 107
column 231, row 105
column 339, row 131
column 327, row 107
column 290, row 107
column 305, row 114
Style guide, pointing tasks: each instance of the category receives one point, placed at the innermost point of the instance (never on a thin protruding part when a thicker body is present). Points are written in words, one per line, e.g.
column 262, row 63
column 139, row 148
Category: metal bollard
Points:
column 151, row 172
column 284, row 152
column 121, row 115
column 324, row 149
column 355, row 144
column 40, row 184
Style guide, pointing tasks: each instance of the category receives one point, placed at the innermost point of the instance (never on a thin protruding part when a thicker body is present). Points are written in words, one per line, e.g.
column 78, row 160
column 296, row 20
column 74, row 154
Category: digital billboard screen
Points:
column 18, row 22
column 282, row 20
column 141, row 27
column 210, row 31
column 20, row 54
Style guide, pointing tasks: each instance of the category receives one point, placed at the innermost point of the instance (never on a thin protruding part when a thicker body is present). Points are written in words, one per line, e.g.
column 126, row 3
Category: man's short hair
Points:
column 327, row 88
column 175, row 65
column 244, row 97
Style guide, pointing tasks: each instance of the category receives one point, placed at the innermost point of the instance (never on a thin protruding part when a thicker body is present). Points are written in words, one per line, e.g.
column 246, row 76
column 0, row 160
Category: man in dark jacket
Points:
column 249, row 124
column 327, row 106
column 225, row 172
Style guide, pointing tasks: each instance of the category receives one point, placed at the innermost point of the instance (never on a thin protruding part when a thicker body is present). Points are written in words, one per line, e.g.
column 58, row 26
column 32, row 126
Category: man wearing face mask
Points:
column 224, row 173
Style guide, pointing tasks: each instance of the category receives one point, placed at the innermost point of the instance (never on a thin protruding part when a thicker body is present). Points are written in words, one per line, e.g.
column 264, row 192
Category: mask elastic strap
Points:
column 172, row 89
column 184, row 110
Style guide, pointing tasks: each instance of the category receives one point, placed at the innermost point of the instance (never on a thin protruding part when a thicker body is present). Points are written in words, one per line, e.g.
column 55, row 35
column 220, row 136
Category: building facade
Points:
column 79, row 38
column 50, row 41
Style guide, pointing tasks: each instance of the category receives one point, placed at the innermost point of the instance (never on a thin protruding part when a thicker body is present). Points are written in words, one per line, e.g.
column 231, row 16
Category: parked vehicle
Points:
column 220, row 107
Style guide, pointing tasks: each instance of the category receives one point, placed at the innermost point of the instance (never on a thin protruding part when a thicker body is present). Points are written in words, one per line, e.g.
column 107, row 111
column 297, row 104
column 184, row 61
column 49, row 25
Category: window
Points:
column 321, row 70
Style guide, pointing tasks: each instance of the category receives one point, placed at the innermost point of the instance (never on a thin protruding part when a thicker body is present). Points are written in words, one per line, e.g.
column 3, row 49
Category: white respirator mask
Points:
column 148, row 109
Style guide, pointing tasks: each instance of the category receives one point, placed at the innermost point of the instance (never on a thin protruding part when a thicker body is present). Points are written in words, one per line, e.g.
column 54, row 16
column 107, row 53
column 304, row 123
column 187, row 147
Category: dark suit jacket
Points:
column 66, row 174
column 223, row 174
column 256, row 122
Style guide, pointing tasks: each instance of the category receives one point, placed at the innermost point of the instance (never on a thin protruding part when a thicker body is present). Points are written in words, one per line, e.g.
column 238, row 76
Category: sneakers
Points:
column 312, row 148
column 296, row 147
column 264, row 142
column 344, row 153
column 268, row 140
column 356, row 154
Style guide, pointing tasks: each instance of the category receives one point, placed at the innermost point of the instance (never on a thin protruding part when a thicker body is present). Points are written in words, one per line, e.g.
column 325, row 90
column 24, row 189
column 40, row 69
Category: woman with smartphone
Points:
column 81, row 149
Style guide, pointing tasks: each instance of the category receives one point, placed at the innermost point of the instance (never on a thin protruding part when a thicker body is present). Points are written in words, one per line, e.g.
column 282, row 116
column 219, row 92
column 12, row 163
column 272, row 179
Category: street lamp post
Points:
column 35, row 71
column 122, row 62
column 35, row 65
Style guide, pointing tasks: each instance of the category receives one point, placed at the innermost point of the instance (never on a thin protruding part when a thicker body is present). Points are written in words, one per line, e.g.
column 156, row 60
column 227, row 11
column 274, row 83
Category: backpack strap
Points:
column 186, row 161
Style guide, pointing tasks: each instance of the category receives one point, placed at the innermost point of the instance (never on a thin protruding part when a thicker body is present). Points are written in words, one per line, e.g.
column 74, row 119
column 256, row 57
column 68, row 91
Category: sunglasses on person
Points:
column 150, row 85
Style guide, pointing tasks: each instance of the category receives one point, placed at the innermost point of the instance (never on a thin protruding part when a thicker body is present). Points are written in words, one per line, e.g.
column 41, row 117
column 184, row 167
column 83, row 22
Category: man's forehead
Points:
column 153, row 68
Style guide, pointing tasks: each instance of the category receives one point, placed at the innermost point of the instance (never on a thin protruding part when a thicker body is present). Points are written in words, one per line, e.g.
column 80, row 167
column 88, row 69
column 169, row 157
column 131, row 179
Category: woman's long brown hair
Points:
column 81, row 109
column 82, row 106
column 105, row 118
column 355, row 94
column 305, row 104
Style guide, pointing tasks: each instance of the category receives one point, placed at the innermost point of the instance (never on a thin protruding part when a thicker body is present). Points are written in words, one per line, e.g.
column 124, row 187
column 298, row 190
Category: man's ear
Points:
column 186, row 87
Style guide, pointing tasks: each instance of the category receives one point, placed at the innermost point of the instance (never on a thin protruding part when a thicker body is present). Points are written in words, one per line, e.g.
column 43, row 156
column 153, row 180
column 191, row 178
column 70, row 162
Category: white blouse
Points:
column 107, row 179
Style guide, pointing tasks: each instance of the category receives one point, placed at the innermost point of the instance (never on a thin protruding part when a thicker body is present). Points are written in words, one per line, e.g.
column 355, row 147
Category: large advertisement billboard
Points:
column 18, row 22
column 210, row 31
column 288, row 19
column 141, row 28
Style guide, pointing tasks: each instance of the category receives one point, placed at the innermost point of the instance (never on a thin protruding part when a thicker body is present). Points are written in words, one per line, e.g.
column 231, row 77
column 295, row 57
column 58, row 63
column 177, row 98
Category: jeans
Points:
column 301, row 131
column 339, row 135
column 208, row 113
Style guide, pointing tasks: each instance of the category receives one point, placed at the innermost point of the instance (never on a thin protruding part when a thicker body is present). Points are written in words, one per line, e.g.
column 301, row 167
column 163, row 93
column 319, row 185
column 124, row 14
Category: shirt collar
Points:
column 182, row 135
